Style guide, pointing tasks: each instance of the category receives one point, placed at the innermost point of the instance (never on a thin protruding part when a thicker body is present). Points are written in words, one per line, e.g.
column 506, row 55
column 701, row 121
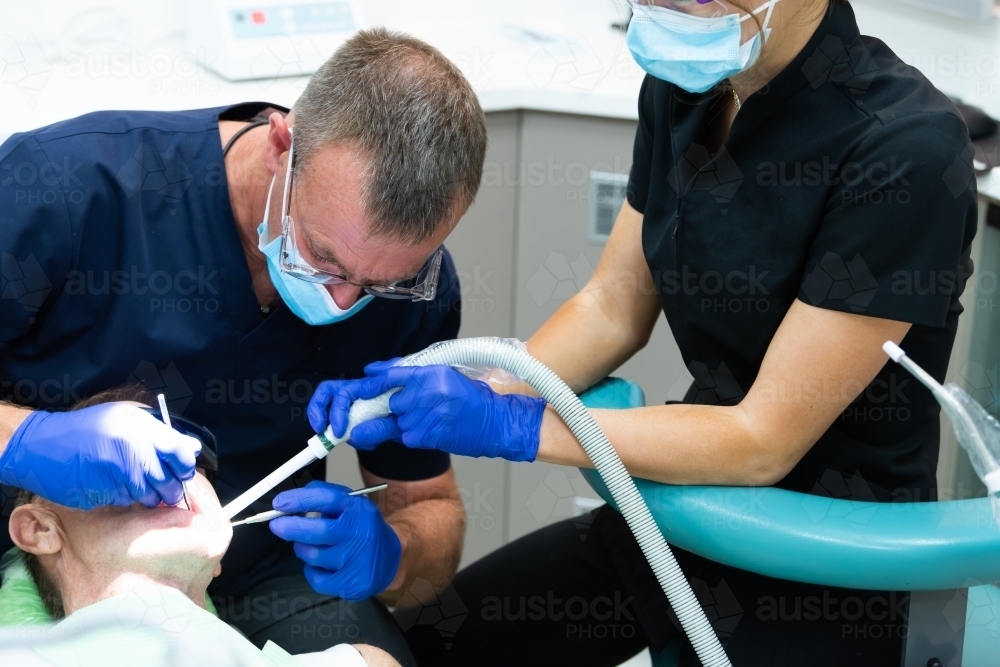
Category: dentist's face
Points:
column 332, row 229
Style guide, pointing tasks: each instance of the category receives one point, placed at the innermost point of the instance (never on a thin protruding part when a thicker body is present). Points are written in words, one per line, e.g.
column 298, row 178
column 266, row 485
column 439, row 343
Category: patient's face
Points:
column 172, row 543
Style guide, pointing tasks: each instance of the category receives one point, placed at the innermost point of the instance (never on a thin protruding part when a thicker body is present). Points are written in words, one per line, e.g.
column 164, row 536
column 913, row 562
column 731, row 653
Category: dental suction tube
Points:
column 974, row 429
column 508, row 355
column 317, row 448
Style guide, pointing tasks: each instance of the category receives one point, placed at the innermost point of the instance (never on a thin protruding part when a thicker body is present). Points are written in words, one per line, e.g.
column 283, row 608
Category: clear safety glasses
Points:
column 706, row 9
column 422, row 287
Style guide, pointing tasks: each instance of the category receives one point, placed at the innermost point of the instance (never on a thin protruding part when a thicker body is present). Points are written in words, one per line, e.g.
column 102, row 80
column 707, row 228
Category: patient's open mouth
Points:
column 179, row 506
column 190, row 506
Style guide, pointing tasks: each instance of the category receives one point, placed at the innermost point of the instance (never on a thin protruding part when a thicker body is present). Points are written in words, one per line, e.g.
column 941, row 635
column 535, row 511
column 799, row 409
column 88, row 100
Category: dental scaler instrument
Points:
column 317, row 447
column 274, row 514
column 166, row 420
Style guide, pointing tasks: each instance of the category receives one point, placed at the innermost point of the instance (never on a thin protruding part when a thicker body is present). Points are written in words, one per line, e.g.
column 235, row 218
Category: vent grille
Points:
column 607, row 192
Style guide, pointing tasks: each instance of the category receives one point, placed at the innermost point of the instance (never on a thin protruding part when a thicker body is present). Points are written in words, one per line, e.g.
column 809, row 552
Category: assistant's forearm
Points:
column 676, row 444
column 581, row 344
column 431, row 533
column 11, row 416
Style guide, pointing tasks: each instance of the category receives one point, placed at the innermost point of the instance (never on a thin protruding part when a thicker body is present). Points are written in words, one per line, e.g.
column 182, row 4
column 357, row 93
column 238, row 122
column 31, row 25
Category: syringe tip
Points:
column 894, row 351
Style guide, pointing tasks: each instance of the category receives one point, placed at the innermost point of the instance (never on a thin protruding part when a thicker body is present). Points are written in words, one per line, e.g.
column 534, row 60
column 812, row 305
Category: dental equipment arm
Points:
column 975, row 429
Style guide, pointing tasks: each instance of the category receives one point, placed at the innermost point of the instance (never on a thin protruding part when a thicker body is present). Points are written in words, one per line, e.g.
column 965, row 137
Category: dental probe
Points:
column 166, row 420
column 274, row 514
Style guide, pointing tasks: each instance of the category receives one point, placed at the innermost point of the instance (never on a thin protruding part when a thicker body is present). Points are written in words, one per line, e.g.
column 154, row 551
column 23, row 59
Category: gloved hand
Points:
column 109, row 454
column 350, row 552
column 437, row 408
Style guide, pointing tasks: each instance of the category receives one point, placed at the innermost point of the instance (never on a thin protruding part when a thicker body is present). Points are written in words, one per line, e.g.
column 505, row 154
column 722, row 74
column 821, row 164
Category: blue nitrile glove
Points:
column 350, row 552
column 437, row 408
column 109, row 454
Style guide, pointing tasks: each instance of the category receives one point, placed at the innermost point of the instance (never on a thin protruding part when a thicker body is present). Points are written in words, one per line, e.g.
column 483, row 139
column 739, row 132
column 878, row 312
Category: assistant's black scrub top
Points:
column 845, row 183
column 122, row 264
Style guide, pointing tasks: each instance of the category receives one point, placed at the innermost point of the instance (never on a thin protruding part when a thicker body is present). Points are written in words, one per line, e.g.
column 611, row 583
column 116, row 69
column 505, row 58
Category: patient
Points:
column 80, row 558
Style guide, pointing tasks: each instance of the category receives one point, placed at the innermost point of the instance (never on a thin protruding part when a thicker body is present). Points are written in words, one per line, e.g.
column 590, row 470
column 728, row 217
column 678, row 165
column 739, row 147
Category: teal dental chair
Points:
column 946, row 553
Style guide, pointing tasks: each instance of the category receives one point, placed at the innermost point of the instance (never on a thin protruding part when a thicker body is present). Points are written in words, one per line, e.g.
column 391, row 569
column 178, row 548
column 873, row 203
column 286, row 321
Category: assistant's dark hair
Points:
column 47, row 588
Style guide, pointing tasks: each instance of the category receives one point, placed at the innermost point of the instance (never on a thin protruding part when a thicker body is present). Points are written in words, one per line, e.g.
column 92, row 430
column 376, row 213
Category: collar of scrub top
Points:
column 208, row 459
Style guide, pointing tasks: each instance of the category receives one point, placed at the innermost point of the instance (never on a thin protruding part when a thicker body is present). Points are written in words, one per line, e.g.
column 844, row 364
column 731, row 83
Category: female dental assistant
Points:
column 798, row 196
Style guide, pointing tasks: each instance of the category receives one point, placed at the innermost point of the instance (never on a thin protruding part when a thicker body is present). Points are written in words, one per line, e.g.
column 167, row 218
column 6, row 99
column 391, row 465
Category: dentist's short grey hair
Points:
column 415, row 121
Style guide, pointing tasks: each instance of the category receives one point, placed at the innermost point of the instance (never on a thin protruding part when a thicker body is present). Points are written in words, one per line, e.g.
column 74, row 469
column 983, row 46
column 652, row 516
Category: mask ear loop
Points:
column 267, row 203
column 764, row 30
column 285, row 213
column 288, row 179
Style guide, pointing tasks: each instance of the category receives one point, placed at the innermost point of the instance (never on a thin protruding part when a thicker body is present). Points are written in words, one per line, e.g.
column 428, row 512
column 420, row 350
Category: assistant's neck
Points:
column 792, row 26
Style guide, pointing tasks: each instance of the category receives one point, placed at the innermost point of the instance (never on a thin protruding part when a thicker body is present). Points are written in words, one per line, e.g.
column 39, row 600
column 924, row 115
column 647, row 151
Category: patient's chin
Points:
column 180, row 569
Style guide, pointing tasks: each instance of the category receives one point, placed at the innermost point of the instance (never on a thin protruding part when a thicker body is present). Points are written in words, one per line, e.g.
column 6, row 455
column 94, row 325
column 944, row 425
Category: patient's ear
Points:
column 36, row 529
column 218, row 570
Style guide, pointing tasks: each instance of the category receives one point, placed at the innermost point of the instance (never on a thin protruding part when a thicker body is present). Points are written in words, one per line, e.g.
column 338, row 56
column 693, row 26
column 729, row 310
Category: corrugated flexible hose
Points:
column 498, row 353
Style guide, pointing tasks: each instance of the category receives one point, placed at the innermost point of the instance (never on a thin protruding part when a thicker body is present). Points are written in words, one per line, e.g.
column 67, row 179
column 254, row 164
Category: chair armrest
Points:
column 818, row 540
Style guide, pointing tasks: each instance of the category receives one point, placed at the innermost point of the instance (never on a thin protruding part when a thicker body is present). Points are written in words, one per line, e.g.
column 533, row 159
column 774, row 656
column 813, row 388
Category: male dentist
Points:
column 233, row 258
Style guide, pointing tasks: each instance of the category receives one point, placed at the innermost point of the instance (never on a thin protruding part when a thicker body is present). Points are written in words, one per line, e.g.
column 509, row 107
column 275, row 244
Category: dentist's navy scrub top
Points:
column 122, row 264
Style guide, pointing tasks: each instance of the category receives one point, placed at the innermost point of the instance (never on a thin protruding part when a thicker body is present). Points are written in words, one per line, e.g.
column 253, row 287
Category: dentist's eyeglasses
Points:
column 422, row 287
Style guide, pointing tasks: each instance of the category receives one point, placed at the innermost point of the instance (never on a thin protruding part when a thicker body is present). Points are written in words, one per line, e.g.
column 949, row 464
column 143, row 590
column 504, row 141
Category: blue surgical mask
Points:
column 693, row 52
column 311, row 302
